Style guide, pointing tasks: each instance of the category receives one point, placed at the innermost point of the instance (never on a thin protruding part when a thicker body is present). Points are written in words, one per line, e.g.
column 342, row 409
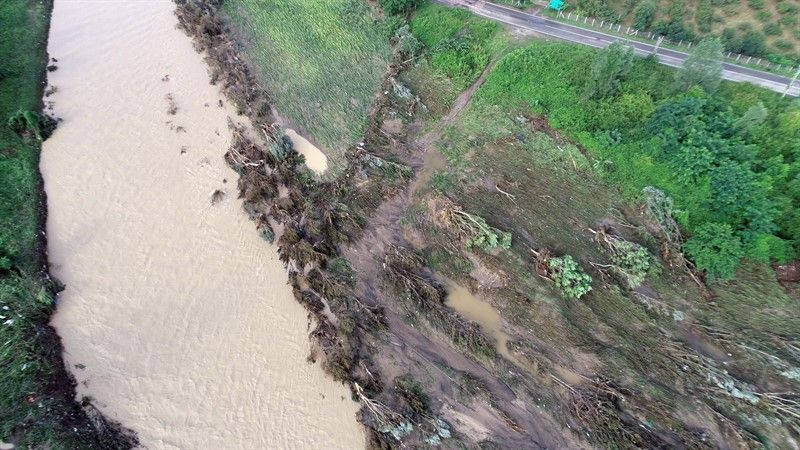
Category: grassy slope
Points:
column 37, row 404
column 559, row 193
column 321, row 61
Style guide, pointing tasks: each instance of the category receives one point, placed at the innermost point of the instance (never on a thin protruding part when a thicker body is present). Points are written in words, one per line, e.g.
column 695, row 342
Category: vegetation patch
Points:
column 322, row 63
column 37, row 393
column 723, row 158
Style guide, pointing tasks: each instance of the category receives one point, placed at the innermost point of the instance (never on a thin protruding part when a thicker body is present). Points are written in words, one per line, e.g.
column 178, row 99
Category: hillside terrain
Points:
column 522, row 251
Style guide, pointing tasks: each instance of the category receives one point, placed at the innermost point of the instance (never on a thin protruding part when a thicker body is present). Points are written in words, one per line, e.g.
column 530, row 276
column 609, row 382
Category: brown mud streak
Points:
column 528, row 426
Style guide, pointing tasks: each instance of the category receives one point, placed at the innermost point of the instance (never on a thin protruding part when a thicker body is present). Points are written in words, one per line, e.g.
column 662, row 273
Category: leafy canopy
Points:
column 703, row 67
column 609, row 66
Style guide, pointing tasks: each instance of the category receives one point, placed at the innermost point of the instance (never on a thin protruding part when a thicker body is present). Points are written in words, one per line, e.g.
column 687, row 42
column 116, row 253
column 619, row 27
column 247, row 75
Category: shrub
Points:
column 644, row 14
column 633, row 261
column 772, row 29
column 407, row 43
column 398, row 6
column 787, row 8
column 789, row 21
column 764, row 16
column 716, row 250
column 704, row 16
column 478, row 233
column 442, row 181
column 609, row 66
column 784, row 45
column 570, row 279
column 703, row 67
column 756, row 4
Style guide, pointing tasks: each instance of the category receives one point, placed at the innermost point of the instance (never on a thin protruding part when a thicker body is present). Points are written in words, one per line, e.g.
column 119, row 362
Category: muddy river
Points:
column 176, row 318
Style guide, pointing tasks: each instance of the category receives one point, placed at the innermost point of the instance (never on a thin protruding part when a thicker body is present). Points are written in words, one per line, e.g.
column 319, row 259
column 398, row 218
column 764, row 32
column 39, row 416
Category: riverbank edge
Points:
column 311, row 220
column 79, row 420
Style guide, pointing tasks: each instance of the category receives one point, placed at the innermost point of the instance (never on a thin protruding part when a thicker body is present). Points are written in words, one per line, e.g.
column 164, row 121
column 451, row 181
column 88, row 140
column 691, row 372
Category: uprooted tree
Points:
column 475, row 231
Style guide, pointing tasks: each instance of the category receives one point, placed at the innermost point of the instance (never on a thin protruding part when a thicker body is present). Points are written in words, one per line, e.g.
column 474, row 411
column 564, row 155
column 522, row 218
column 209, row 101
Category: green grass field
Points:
column 322, row 62
column 37, row 407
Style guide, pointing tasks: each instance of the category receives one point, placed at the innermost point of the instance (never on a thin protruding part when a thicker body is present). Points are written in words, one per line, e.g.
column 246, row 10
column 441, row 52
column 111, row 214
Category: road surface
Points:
column 674, row 58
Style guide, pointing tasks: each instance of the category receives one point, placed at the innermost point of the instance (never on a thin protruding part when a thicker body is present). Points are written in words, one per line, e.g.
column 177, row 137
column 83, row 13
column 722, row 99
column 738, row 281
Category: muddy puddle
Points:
column 481, row 312
column 176, row 318
column 315, row 159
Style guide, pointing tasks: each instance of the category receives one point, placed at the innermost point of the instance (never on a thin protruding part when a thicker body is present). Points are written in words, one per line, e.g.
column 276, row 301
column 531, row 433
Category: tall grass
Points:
column 322, row 61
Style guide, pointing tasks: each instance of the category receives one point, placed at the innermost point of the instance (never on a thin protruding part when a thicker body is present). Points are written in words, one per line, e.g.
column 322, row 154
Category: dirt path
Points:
column 509, row 422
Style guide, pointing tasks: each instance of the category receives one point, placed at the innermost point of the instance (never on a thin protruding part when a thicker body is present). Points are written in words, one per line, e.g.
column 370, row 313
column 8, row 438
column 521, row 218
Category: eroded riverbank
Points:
column 177, row 319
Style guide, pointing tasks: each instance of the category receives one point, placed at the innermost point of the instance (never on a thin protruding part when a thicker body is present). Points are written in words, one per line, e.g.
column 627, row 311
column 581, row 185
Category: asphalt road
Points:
column 579, row 35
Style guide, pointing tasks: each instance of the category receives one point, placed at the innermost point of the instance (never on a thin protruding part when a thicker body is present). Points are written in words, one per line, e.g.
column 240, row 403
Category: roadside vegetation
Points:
column 760, row 28
column 37, row 397
column 321, row 61
column 644, row 206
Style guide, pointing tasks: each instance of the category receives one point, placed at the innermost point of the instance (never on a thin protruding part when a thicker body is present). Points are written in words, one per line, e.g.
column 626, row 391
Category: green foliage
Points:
column 716, row 250
column 756, row 4
column 322, row 63
column 459, row 44
column 568, row 276
column 632, row 260
column 728, row 159
column 398, row 6
column 703, row 67
column 704, row 16
column 609, row 66
column 772, row 29
column 480, row 234
column 443, row 181
column 407, row 43
column 644, row 15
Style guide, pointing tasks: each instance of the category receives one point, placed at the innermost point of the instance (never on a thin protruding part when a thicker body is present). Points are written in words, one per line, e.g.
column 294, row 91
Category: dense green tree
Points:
column 610, row 65
column 398, row 6
column 703, row 67
column 644, row 14
column 716, row 250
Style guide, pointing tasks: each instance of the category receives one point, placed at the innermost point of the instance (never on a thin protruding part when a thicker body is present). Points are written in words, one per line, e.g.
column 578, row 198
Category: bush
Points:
column 784, row 45
column 398, row 6
column 633, row 261
column 772, row 29
column 644, row 14
column 756, row 4
column 609, row 66
column 715, row 249
column 787, row 8
column 570, row 279
column 764, row 16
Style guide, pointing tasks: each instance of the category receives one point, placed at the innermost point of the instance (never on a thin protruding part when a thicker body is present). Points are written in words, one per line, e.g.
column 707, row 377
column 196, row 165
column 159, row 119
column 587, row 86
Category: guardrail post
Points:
column 759, row 61
column 593, row 19
column 738, row 56
column 748, row 59
column 618, row 28
column 585, row 19
column 601, row 23
column 689, row 45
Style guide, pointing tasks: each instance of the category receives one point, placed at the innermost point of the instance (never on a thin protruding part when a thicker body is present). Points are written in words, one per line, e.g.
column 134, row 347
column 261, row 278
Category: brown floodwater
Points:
column 315, row 159
column 481, row 312
column 177, row 318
